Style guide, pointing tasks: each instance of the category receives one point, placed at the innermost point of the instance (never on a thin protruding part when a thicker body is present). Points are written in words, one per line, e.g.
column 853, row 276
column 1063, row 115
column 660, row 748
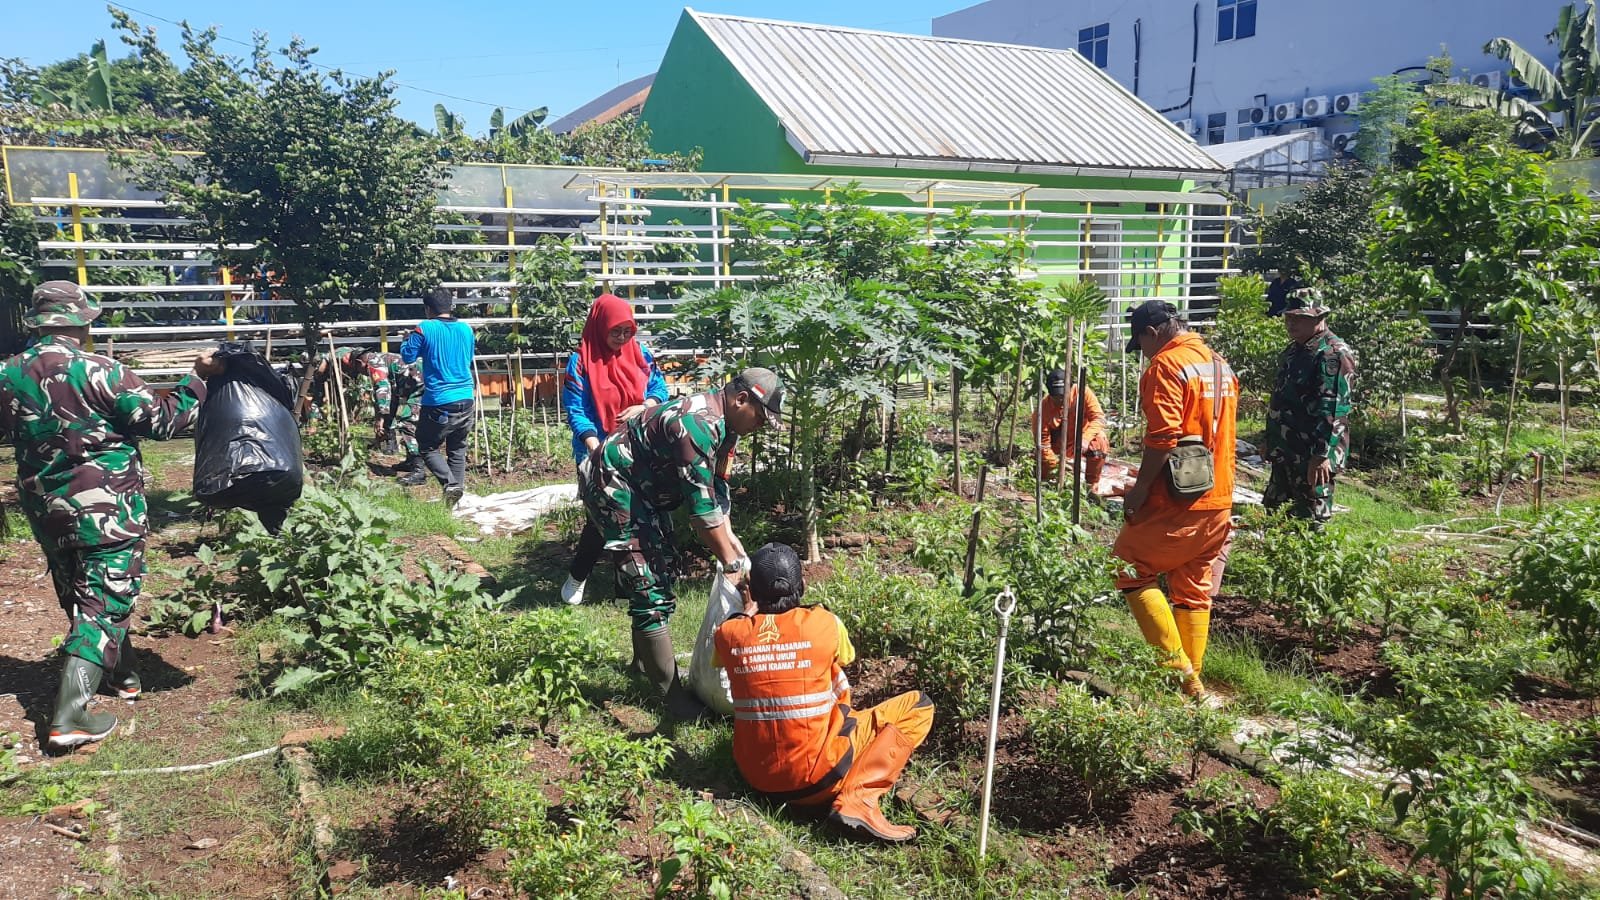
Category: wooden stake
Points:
column 969, row 573
column 511, row 406
column 1077, row 438
column 1038, row 457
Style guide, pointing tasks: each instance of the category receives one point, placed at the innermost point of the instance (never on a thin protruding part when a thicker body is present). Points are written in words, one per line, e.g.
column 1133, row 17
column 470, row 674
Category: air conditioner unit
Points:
column 1283, row 112
column 1490, row 80
column 1184, row 125
column 1346, row 103
column 1314, row 107
column 1344, row 141
column 1256, row 115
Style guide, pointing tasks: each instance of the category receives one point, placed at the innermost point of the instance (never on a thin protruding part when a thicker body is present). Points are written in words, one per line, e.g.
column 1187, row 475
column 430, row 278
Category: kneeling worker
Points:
column 1060, row 431
column 795, row 737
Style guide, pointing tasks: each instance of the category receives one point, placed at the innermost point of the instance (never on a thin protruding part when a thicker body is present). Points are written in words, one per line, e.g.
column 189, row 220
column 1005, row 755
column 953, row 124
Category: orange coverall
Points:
column 1170, row 536
column 1059, row 436
column 795, row 736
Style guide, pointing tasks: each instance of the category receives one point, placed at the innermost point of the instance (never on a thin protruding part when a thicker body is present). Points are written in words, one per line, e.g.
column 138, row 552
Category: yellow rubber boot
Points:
column 1194, row 629
column 1160, row 629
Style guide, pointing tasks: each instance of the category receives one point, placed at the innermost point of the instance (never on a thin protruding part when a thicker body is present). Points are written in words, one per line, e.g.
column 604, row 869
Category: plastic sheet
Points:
column 246, row 444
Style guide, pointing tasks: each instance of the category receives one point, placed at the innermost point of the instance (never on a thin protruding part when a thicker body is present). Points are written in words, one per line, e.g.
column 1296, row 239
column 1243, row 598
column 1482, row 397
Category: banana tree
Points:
column 1562, row 113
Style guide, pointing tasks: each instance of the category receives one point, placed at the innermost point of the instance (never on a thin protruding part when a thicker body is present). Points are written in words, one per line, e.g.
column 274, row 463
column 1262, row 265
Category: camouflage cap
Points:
column 1307, row 301
column 61, row 304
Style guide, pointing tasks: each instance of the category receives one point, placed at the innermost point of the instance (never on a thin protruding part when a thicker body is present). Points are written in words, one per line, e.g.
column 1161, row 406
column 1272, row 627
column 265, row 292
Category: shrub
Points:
column 1111, row 745
column 503, row 673
column 1326, row 582
column 1058, row 573
column 1556, row 570
column 948, row 638
column 333, row 581
column 1244, row 333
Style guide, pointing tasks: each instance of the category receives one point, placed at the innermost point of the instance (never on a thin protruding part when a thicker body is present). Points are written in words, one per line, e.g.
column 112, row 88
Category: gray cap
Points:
column 61, row 304
column 766, row 387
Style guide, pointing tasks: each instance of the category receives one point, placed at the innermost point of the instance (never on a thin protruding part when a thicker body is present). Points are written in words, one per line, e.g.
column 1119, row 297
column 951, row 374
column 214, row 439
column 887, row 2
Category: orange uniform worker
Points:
column 1057, row 411
column 1187, row 390
column 795, row 737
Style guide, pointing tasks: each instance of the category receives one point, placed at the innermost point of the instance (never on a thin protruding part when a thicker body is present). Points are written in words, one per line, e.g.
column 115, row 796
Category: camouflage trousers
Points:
column 1288, row 485
column 639, row 538
column 405, row 428
column 97, row 587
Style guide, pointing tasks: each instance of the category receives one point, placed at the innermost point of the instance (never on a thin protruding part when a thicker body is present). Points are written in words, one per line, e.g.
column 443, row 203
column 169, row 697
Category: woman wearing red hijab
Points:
column 609, row 380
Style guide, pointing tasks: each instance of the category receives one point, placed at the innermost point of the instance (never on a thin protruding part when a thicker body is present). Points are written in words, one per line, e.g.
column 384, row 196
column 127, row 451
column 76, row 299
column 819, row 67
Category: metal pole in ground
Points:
column 1004, row 605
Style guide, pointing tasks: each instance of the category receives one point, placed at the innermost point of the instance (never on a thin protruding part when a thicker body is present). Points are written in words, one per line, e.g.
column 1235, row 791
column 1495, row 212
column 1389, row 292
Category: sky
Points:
column 480, row 53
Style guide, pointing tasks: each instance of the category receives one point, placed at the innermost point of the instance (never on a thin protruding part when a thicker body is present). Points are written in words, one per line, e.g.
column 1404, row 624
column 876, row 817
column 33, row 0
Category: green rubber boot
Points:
column 72, row 723
column 125, row 677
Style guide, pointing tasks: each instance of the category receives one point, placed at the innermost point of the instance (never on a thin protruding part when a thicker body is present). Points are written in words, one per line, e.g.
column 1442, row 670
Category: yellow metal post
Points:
column 1161, row 230
column 928, row 226
column 633, row 289
column 513, row 372
column 1227, row 235
column 227, row 300
column 1262, row 211
column 78, row 255
column 605, row 248
column 1088, row 233
column 383, row 323
column 1022, row 232
column 727, row 235
column 77, row 229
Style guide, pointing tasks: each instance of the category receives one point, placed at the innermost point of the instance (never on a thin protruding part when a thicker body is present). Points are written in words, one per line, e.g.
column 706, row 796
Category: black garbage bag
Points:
column 246, row 443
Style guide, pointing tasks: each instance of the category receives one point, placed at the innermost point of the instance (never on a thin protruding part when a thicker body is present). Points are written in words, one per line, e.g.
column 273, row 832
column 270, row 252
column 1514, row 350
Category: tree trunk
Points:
column 1452, row 410
column 808, row 490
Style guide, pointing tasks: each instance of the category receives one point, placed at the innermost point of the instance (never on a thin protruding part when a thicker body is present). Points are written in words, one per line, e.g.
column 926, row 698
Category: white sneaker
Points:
column 572, row 591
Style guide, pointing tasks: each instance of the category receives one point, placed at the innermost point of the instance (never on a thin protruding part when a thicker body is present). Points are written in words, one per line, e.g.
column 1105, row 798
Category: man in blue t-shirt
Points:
column 446, row 347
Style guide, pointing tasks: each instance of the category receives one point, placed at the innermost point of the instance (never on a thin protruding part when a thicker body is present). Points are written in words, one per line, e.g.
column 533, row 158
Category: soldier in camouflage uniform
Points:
column 75, row 419
column 396, row 396
column 671, row 455
column 1308, row 434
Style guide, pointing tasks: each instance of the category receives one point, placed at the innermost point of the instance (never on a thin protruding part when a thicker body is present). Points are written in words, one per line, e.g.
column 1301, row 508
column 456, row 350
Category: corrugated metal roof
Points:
column 1235, row 152
column 902, row 100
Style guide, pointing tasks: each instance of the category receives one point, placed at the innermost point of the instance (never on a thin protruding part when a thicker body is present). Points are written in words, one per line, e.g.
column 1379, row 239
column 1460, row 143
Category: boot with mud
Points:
column 412, row 472
column 877, row 767
column 653, row 654
column 73, row 724
column 124, row 680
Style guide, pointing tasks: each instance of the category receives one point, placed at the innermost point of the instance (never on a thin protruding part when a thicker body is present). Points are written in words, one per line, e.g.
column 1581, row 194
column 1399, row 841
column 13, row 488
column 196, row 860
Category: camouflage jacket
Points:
column 394, row 384
column 671, row 454
column 75, row 419
column 1308, row 415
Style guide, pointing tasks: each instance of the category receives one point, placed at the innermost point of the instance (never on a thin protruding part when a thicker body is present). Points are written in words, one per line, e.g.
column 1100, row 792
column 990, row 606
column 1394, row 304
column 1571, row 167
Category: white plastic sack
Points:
column 709, row 682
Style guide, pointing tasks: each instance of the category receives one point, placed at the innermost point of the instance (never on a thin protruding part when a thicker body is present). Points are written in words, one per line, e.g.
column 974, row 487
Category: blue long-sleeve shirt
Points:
column 579, row 403
column 446, row 347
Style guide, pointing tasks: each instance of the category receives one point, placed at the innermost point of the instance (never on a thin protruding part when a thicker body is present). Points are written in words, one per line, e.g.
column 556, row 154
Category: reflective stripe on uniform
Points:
column 794, row 700
column 809, row 712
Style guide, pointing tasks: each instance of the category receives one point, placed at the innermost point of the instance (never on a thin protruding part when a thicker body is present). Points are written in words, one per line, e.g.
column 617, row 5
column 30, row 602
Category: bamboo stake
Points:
column 1038, row 455
column 338, row 389
column 511, row 406
column 1077, row 439
column 480, row 425
column 955, row 428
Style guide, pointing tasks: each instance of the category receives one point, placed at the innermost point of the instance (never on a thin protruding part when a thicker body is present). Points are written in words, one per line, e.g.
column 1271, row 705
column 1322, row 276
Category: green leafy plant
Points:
column 1469, row 810
column 1059, row 574
column 1556, row 571
column 1244, row 334
column 1327, row 583
column 704, row 855
column 1111, row 745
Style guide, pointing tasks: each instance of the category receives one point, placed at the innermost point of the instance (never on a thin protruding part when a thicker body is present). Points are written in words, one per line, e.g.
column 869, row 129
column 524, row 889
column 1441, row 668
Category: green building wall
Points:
column 700, row 99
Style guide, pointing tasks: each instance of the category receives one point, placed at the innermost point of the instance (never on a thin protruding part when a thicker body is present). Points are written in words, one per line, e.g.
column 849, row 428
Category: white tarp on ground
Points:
column 514, row 511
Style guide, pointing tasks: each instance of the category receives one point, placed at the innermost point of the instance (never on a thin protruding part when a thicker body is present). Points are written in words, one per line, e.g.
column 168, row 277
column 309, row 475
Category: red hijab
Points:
column 616, row 378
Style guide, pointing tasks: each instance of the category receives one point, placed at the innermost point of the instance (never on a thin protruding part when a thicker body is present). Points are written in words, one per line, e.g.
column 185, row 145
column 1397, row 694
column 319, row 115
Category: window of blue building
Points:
column 1235, row 19
column 1092, row 43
